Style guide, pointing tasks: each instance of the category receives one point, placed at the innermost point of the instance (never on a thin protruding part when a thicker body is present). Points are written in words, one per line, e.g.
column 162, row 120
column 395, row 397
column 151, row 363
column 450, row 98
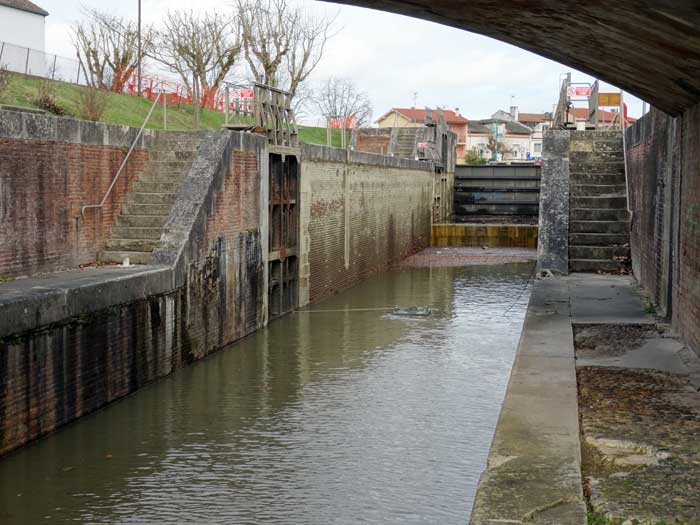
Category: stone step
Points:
column 151, row 198
column 613, row 154
column 597, row 265
column 161, row 166
column 617, row 227
column 174, row 177
column 142, row 221
column 599, row 202
column 161, row 210
column 606, row 179
column 595, row 214
column 135, row 232
column 132, row 245
column 591, row 190
column 598, row 239
column 592, row 168
column 598, row 252
column 147, row 186
column 172, row 155
column 115, row 256
column 176, row 145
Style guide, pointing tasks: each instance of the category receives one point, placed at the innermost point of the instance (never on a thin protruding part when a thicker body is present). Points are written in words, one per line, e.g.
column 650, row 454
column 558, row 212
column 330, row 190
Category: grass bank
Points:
column 21, row 91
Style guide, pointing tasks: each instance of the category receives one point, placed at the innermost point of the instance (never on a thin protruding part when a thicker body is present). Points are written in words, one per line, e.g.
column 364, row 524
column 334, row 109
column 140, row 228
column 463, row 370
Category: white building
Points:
column 22, row 36
column 514, row 136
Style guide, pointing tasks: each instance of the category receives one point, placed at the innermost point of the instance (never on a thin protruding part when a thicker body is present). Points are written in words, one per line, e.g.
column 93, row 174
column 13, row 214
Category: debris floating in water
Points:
column 413, row 311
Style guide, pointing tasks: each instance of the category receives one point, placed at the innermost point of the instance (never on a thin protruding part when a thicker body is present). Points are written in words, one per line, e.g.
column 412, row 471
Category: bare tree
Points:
column 107, row 48
column 202, row 49
column 496, row 147
column 340, row 98
column 282, row 44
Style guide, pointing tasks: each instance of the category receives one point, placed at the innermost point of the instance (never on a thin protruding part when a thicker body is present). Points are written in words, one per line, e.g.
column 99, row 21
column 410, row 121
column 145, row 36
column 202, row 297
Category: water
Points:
column 335, row 417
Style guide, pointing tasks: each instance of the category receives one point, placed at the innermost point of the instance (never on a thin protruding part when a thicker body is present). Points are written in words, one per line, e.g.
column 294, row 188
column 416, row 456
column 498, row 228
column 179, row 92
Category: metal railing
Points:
column 125, row 160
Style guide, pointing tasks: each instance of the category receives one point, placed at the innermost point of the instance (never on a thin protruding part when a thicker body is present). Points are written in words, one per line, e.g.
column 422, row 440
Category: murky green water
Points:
column 336, row 417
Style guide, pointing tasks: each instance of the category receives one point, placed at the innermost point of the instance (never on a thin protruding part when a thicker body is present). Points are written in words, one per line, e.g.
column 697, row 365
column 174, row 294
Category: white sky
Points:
column 389, row 56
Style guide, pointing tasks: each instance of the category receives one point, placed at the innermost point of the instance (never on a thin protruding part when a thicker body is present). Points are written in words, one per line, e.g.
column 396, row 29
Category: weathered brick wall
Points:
column 651, row 151
column 663, row 167
column 48, row 171
column 210, row 292
column 358, row 216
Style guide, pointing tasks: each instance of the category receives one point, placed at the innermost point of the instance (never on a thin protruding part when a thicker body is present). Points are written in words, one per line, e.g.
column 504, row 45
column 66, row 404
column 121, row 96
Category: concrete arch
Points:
column 649, row 48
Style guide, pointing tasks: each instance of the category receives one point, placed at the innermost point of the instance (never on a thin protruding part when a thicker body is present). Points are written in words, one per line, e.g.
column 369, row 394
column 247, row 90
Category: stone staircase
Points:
column 137, row 230
column 599, row 222
column 405, row 142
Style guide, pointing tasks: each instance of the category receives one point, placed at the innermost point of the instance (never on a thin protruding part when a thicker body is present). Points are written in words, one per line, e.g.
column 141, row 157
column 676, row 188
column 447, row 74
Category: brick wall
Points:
column 211, row 293
column 358, row 216
column 663, row 167
column 44, row 183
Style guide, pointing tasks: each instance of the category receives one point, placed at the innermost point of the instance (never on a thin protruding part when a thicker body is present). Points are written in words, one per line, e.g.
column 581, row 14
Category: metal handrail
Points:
column 126, row 159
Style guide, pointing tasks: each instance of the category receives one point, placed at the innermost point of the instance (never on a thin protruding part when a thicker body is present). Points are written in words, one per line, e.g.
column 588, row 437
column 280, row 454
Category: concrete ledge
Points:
column 534, row 466
column 29, row 304
column 480, row 235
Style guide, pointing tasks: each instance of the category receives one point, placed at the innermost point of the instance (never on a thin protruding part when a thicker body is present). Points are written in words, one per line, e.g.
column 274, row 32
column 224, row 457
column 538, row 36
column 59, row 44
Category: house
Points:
column 515, row 137
column 415, row 118
column 22, row 23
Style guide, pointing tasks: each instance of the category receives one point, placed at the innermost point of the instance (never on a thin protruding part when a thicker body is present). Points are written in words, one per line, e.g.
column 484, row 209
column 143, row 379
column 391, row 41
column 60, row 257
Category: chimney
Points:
column 514, row 112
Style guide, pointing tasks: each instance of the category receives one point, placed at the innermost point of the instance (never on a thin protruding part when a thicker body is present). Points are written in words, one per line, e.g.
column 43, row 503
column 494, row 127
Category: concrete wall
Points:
column 359, row 214
column 75, row 345
column 49, row 168
column 663, row 166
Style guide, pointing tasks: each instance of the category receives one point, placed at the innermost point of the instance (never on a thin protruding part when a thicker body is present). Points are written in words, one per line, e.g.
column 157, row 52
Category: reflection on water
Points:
column 323, row 417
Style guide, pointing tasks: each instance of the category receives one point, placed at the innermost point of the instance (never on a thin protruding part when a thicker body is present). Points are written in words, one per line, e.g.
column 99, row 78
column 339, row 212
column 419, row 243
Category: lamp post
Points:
column 138, row 70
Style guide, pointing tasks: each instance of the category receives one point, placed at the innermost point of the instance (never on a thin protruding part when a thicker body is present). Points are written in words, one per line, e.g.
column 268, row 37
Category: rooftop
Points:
column 418, row 115
column 24, row 5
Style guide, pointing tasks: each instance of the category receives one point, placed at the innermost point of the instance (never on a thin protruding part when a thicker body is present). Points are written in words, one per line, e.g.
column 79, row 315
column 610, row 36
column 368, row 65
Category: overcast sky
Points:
column 391, row 57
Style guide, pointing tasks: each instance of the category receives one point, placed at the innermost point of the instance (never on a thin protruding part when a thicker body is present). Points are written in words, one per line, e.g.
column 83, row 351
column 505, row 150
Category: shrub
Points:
column 46, row 99
column 4, row 79
column 93, row 103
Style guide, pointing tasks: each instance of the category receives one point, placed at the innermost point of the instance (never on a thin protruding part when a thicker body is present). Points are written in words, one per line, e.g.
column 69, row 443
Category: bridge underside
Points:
column 649, row 48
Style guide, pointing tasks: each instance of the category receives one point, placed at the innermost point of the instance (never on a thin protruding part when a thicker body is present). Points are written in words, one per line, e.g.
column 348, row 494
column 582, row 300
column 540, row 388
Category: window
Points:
column 538, row 148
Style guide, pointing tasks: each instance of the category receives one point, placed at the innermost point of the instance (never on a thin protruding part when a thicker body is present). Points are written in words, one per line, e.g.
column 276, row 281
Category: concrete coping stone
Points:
column 25, row 125
column 314, row 152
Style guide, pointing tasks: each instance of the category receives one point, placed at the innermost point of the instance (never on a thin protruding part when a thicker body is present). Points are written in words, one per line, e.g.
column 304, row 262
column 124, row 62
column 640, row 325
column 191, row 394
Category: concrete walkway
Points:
column 534, row 467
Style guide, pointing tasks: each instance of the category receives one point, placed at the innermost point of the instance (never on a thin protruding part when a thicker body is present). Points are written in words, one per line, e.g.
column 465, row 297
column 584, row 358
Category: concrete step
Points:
column 135, row 232
column 151, row 198
column 160, row 210
column 598, row 252
column 598, row 239
column 142, row 221
column 595, row 214
column 114, row 256
column 592, row 168
column 612, row 154
column 132, row 245
column 592, row 190
column 596, row 265
column 616, row 227
column 145, row 186
column 599, row 202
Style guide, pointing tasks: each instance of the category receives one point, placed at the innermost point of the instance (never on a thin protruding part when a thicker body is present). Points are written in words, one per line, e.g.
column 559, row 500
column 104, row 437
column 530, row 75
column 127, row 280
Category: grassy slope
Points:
column 130, row 111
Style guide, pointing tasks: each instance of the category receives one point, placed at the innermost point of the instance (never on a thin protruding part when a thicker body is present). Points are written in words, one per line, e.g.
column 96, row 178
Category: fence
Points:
column 33, row 62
